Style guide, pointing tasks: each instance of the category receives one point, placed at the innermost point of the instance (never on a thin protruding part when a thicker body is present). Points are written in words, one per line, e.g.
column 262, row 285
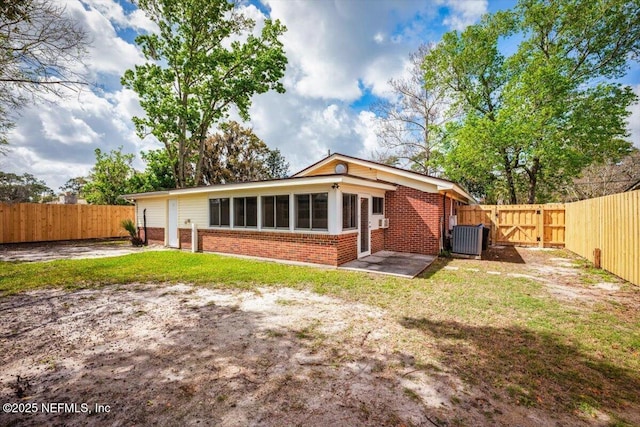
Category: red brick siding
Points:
column 377, row 240
column 304, row 247
column 155, row 235
column 185, row 238
column 414, row 221
column 347, row 247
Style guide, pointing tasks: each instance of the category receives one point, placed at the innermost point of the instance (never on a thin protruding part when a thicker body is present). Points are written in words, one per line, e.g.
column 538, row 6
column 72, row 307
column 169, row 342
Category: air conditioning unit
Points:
column 467, row 239
column 383, row 223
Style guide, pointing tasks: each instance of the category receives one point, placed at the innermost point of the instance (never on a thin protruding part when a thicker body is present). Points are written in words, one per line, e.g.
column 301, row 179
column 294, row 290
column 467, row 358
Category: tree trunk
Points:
column 533, row 180
column 198, row 179
column 508, row 170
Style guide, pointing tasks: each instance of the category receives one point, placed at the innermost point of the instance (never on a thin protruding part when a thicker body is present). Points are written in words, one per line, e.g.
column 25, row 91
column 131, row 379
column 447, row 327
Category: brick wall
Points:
column 304, row 247
column 347, row 247
column 414, row 221
column 185, row 238
column 377, row 240
column 155, row 235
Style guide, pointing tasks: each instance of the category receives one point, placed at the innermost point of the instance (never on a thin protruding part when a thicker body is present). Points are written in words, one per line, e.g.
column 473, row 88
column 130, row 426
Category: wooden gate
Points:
column 518, row 225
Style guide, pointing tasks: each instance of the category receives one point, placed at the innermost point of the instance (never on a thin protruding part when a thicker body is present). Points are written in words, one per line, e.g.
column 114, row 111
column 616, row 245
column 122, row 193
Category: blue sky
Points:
column 341, row 55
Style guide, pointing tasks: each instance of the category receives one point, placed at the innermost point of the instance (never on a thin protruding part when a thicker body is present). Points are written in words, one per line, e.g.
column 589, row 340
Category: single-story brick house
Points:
column 334, row 211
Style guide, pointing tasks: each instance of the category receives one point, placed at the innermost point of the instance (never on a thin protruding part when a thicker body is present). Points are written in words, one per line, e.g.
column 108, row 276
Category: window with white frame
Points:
column 275, row 211
column 245, row 211
column 349, row 211
column 378, row 205
column 219, row 212
column 312, row 211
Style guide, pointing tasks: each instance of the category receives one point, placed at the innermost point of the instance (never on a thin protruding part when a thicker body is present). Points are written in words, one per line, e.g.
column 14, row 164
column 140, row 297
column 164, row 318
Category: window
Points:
column 275, row 211
column 312, row 211
column 268, row 211
column 245, row 211
column 219, row 212
column 378, row 206
column 349, row 211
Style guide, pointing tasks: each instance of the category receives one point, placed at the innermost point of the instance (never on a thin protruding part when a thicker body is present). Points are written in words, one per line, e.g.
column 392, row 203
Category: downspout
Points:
column 442, row 220
column 144, row 223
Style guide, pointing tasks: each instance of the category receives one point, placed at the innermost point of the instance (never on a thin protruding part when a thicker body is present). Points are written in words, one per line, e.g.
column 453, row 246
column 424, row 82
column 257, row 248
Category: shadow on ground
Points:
column 534, row 370
column 182, row 357
column 508, row 254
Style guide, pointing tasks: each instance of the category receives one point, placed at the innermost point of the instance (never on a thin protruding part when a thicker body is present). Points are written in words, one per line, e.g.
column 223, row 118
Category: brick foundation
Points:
column 155, row 235
column 184, row 234
column 414, row 221
column 303, row 247
column 347, row 247
column 377, row 240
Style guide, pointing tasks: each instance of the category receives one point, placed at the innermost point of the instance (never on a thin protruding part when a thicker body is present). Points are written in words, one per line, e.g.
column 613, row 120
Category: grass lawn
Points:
column 508, row 336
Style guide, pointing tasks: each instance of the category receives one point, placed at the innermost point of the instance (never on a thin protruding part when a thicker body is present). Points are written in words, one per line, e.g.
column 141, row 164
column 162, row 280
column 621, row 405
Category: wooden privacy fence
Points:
column 612, row 225
column 520, row 225
column 30, row 222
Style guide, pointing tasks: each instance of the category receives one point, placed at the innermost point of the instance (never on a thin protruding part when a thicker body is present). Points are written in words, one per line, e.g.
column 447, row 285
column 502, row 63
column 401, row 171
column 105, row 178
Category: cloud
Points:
column 69, row 130
column 332, row 45
column 108, row 55
column 114, row 12
column 463, row 13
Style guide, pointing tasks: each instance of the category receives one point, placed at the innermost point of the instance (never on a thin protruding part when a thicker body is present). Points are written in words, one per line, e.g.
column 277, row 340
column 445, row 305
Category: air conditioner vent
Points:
column 383, row 223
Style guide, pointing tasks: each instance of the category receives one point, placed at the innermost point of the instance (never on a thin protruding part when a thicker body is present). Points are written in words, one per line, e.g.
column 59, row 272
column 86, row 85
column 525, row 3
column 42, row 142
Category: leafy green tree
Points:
column 158, row 174
column 24, row 188
column 74, row 186
column 536, row 119
column 204, row 60
column 236, row 154
column 109, row 178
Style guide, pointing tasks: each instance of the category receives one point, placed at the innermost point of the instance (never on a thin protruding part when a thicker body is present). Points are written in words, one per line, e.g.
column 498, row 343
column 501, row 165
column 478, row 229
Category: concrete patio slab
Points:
column 391, row 263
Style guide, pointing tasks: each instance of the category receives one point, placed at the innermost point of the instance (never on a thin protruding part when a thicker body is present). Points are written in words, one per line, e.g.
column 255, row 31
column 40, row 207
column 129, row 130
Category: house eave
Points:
column 260, row 185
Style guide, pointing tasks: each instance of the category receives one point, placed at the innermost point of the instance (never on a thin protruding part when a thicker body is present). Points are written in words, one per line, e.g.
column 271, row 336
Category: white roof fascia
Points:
column 148, row 195
column 283, row 183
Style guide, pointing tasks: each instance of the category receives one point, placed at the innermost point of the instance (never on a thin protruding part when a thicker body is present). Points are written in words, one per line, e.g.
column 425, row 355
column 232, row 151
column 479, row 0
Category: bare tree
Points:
column 606, row 178
column 410, row 125
column 41, row 52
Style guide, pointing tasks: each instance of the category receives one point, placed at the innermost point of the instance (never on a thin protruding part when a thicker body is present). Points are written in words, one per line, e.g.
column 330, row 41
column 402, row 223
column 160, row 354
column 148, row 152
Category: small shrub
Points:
column 131, row 228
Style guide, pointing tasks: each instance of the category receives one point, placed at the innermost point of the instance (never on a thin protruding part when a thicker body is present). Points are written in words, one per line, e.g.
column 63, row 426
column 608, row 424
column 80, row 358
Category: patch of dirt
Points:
column 558, row 270
column 49, row 251
column 160, row 354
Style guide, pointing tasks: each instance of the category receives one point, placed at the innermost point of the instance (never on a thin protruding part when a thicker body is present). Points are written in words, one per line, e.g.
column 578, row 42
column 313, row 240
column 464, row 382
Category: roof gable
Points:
column 378, row 171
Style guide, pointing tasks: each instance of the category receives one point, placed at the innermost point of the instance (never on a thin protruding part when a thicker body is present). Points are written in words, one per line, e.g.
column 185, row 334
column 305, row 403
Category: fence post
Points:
column 494, row 225
column 540, row 212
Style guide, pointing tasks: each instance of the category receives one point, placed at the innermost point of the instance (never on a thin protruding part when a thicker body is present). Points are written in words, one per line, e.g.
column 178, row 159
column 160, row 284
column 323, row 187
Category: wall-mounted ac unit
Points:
column 383, row 223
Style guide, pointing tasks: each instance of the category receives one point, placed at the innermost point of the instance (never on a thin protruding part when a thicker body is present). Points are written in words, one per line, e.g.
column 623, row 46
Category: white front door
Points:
column 172, row 226
column 364, row 227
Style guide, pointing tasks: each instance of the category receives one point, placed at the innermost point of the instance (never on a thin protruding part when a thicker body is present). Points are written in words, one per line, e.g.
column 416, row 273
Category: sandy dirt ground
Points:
column 159, row 354
column 31, row 252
